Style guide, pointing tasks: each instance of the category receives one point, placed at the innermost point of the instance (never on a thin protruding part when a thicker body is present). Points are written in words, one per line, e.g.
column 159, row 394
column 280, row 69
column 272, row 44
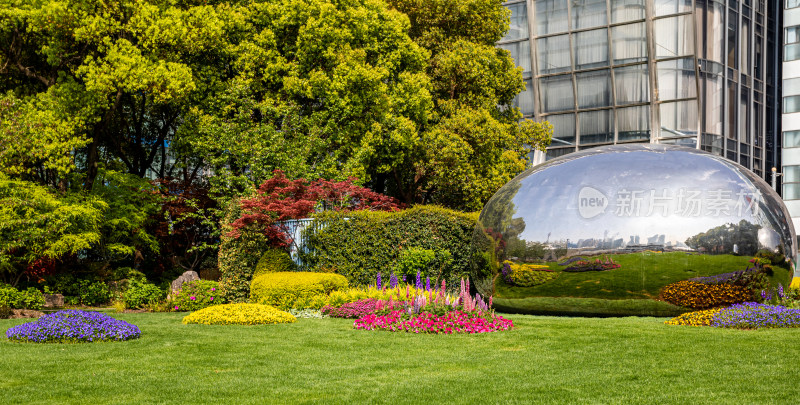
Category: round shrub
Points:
column 527, row 275
column 284, row 289
column 141, row 293
column 274, row 261
column 194, row 295
column 696, row 295
column 93, row 293
column 239, row 314
column 73, row 326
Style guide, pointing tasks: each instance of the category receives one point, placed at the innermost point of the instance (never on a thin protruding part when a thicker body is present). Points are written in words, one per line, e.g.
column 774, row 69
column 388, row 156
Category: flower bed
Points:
column 601, row 264
column 73, row 326
column 696, row 295
column 451, row 322
column 527, row 275
column 696, row 318
column 751, row 315
column 351, row 309
column 239, row 314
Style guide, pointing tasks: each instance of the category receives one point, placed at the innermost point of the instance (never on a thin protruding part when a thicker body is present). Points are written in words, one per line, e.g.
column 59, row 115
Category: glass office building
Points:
column 684, row 72
column 790, row 107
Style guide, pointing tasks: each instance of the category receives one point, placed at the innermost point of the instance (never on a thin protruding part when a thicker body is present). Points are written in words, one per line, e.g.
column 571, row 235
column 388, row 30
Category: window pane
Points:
column 715, row 32
column 588, row 13
column 518, row 28
column 627, row 10
column 791, row 174
column 633, row 123
column 676, row 79
column 674, row 36
column 791, row 34
column 744, row 114
column 688, row 142
column 521, row 53
column 551, row 16
column 554, row 153
column 553, row 54
column 629, row 43
column 596, row 126
column 679, row 119
column 591, row 49
column 791, row 139
column 733, row 36
column 791, row 104
column 667, row 7
column 632, row 84
column 715, row 112
column 556, row 93
column 745, row 40
column 563, row 129
column 524, row 100
column 791, row 52
column 791, row 87
column 791, row 191
column 594, row 89
column 792, row 3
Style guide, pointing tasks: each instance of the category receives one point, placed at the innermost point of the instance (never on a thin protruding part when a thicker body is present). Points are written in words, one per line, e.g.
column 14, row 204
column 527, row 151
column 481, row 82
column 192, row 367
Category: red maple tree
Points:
column 280, row 199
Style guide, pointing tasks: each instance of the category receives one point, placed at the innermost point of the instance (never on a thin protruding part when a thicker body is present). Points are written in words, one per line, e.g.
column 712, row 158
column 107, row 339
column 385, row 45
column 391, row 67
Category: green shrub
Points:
column 430, row 263
column 238, row 257
column 141, row 293
column 194, row 295
column 5, row 312
column 274, row 261
column 10, row 297
column 93, row 293
column 284, row 289
column 360, row 244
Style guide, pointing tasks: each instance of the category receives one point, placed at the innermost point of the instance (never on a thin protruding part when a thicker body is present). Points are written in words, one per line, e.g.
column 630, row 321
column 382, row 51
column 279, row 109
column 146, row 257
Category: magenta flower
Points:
column 192, row 298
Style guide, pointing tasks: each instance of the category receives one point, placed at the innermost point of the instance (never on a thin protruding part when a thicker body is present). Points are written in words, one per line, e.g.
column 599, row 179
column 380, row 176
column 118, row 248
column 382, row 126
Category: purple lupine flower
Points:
column 419, row 281
column 378, row 283
column 763, row 295
column 427, row 283
column 393, row 281
column 781, row 295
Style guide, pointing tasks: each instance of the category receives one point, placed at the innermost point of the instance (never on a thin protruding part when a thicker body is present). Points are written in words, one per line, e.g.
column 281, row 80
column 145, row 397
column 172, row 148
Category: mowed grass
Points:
column 542, row 360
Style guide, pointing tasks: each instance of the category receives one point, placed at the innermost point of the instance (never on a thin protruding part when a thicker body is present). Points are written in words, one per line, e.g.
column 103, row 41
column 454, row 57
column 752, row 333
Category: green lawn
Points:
column 543, row 360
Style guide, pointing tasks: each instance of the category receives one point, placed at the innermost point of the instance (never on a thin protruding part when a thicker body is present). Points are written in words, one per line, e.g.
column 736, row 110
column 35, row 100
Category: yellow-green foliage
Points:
column 340, row 297
column 529, row 275
column 696, row 295
column 697, row 318
column 283, row 289
column 239, row 314
column 274, row 261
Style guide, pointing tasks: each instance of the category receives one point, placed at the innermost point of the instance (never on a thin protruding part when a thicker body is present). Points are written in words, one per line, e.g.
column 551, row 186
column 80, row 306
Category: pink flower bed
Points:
column 451, row 322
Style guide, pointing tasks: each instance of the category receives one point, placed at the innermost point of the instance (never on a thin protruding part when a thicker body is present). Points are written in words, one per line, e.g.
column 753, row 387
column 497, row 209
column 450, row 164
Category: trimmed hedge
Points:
column 284, row 289
column 359, row 244
column 238, row 257
column 274, row 261
column 239, row 314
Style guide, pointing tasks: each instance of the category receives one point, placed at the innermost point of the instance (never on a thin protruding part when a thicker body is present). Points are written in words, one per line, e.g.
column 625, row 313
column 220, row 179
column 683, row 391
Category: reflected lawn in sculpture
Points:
column 628, row 281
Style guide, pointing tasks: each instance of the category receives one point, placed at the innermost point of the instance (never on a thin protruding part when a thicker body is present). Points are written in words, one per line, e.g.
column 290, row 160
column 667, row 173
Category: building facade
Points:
column 690, row 72
column 790, row 108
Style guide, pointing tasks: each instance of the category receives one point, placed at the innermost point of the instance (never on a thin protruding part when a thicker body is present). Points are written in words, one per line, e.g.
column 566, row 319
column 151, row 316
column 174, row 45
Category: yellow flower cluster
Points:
column 529, row 275
column 697, row 318
column 239, row 314
column 283, row 289
column 692, row 294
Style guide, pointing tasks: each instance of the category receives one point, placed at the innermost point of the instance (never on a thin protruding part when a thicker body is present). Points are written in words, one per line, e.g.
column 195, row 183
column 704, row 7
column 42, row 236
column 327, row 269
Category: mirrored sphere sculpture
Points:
column 639, row 229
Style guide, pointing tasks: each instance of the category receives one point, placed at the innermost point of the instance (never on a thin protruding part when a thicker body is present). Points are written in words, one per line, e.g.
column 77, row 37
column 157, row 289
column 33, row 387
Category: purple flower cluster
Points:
column 393, row 281
column 572, row 260
column 751, row 315
column 73, row 326
column 351, row 309
column 726, row 278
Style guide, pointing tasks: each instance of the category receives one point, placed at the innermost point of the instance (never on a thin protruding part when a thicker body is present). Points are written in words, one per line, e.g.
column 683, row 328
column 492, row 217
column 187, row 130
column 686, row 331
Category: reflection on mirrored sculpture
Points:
column 632, row 230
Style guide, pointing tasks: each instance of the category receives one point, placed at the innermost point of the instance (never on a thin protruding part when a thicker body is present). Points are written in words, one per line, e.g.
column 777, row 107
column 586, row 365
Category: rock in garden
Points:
column 184, row 278
column 53, row 300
